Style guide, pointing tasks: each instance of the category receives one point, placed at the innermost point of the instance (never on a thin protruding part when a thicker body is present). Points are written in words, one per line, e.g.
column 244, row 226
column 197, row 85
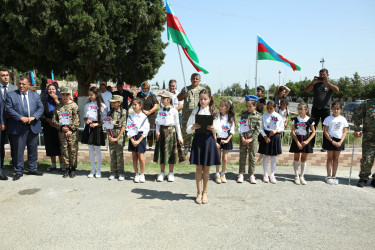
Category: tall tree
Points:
column 163, row 84
column 91, row 38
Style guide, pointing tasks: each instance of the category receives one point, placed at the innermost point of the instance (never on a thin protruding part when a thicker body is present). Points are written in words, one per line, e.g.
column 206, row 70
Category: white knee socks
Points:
column 273, row 165
column 265, row 164
column 303, row 168
column 295, row 166
column 92, row 150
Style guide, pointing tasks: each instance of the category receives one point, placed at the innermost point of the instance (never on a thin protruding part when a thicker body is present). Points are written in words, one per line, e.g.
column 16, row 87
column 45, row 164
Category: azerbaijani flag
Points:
column 177, row 35
column 265, row 52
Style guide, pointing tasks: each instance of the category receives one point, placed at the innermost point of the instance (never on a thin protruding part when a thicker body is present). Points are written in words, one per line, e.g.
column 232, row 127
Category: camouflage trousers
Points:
column 69, row 149
column 185, row 136
column 244, row 152
column 368, row 155
column 117, row 154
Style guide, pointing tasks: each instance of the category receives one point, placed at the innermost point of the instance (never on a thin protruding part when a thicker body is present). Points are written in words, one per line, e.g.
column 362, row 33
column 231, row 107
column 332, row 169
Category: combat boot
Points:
column 361, row 183
column 66, row 173
column 72, row 172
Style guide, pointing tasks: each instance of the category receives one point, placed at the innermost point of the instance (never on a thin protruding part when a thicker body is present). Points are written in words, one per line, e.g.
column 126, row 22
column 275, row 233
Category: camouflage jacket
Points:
column 366, row 113
column 191, row 102
column 118, row 118
column 70, row 108
column 254, row 121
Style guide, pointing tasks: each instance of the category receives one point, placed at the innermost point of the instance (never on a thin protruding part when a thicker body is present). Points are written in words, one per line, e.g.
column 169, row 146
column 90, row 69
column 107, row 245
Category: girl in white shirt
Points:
column 138, row 127
column 167, row 133
column 270, row 146
column 335, row 127
column 93, row 134
column 204, row 152
column 224, row 139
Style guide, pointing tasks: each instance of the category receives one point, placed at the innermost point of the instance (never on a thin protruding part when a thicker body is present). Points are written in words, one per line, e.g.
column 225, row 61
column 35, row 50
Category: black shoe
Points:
column 373, row 182
column 72, row 173
column 322, row 150
column 38, row 173
column 361, row 183
column 66, row 173
column 17, row 177
column 3, row 177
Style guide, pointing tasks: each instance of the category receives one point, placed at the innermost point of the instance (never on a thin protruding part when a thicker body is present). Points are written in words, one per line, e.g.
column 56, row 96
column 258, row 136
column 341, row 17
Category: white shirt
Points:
column 283, row 113
column 168, row 118
column 138, row 119
column 175, row 101
column 103, row 111
column 227, row 128
column 301, row 131
column 205, row 111
column 335, row 125
column 106, row 97
column 271, row 122
column 27, row 99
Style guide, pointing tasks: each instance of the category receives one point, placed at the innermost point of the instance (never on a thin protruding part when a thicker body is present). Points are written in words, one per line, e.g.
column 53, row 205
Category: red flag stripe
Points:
column 174, row 23
column 262, row 48
column 291, row 63
column 191, row 61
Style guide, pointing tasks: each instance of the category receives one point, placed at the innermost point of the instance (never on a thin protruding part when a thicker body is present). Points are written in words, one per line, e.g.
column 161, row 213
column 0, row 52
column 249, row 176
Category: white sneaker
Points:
column 240, row 178
column 91, row 174
column 121, row 177
column 329, row 180
column 136, row 178
column 171, row 177
column 160, row 177
column 142, row 178
column 335, row 181
column 98, row 175
column 112, row 177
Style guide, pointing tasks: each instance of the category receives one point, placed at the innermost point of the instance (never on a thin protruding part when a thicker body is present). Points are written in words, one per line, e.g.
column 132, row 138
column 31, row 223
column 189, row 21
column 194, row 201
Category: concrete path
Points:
column 50, row 212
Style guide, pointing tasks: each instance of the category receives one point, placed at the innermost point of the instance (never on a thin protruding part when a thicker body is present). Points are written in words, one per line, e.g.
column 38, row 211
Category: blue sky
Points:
column 223, row 33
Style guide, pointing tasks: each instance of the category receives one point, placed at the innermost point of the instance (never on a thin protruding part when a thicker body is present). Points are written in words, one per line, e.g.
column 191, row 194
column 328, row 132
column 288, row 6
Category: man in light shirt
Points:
column 106, row 95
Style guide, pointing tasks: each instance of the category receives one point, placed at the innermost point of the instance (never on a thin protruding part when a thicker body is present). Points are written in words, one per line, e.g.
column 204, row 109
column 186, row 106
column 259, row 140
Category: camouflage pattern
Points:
column 116, row 149
column 365, row 114
column 69, row 146
column 190, row 103
column 254, row 123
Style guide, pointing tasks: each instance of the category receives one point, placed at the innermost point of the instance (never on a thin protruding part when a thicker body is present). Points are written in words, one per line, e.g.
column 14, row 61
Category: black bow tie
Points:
column 166, row 109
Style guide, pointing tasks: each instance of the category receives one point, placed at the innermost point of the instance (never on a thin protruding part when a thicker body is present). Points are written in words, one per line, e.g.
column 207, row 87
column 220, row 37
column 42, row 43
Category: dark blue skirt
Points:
column 272, row 148
column 141, row 148
column 204, row 151
column 226, row 146
column 327, row 145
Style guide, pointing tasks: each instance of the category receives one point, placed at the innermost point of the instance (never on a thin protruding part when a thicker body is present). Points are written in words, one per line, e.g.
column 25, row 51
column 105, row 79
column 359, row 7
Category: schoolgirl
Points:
column 283, row 111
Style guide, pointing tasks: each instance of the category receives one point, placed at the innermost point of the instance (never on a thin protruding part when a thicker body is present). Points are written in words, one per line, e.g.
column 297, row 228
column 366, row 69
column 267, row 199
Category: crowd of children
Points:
column 212, row 132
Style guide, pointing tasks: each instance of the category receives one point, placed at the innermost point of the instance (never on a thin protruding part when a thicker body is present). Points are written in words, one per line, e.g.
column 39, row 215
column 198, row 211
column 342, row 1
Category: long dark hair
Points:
column 230, row 106
column 99, row 100
column 211, row 105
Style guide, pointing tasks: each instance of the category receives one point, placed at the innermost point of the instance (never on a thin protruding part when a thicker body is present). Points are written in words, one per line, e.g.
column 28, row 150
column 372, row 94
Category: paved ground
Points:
column 50, row 212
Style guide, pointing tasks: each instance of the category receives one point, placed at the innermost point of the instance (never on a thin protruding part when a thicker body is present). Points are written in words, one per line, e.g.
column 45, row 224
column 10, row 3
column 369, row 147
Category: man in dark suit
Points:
column 5, row 88
column 24, row 108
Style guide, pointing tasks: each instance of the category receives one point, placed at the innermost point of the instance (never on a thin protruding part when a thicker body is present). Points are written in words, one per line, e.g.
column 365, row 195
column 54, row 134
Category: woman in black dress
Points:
column 150, row 105
column 51, row 136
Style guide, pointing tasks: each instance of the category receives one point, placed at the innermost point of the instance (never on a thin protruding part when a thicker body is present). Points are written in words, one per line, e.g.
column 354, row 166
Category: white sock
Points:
column 222, row 173
column 98, row 157
column 273, row 165
column 265, row 164
column 92, row 157
column 217, row 173
column 303, row 168
column 295, row 166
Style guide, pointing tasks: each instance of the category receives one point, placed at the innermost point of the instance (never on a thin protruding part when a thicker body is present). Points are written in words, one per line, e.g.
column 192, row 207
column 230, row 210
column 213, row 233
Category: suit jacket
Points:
column 14, row 107
column 11, row 88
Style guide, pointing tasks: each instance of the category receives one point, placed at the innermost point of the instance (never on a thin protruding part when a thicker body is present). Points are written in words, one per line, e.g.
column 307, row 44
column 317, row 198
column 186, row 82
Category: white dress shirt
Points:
column 271, row 122
column 227, row 128
column 169, row 118
column 138, row 119
column 175, row 101
column 205, row 111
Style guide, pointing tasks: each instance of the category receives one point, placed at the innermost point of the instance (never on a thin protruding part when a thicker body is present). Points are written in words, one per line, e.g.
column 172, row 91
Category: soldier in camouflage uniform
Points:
column 67, row 133
column 366, row 113
column 116, row 137
column 190, row 96
column 249, row 140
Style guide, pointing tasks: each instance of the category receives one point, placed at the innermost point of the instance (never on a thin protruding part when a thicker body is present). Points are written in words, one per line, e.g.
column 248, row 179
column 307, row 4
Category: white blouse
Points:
column 336, row 125
column 89, row 111
column 226, row 127
column 205, row 111
column 138, row 119
column 271, row 122
column 168, row 118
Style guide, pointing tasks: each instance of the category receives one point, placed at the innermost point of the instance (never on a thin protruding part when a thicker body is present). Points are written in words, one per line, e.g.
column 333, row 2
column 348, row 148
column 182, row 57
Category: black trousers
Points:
column 319, row 115
column 3, row 141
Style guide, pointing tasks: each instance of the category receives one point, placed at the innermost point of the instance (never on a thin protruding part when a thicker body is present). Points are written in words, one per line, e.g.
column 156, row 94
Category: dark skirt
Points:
column 272, row 148
column 93, row 136
column 141, row 148
column 167, row 148
column 306, row 149
column 51, row 140
column 204, row 151
column 226, row 146
column 327, row 145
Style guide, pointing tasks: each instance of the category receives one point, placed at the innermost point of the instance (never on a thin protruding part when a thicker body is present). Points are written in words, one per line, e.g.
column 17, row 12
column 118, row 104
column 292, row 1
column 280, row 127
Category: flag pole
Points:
column 182, row 67
column 256, row 65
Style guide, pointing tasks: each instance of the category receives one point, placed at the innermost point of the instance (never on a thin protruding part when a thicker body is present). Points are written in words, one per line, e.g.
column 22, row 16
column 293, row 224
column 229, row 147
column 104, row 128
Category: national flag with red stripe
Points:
column 265, row 52
column 177, row 35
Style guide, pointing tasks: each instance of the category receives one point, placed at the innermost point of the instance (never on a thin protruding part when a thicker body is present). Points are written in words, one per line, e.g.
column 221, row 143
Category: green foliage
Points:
column 163, row 84
column 90, row 37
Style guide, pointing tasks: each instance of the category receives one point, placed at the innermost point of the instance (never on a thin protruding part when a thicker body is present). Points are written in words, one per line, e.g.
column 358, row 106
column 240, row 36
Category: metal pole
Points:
column 279, row 76
column 256, row 65
column 351, row 164
column 182, row 67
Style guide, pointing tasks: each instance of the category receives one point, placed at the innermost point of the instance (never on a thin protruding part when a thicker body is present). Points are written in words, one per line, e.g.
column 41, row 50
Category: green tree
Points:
column 163, row 84
column 157, row 84
column 91, row 38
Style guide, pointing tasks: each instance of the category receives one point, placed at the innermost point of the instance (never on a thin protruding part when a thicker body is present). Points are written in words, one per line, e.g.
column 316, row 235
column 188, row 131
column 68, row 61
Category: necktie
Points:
column 25, row 107
column 5, row 92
